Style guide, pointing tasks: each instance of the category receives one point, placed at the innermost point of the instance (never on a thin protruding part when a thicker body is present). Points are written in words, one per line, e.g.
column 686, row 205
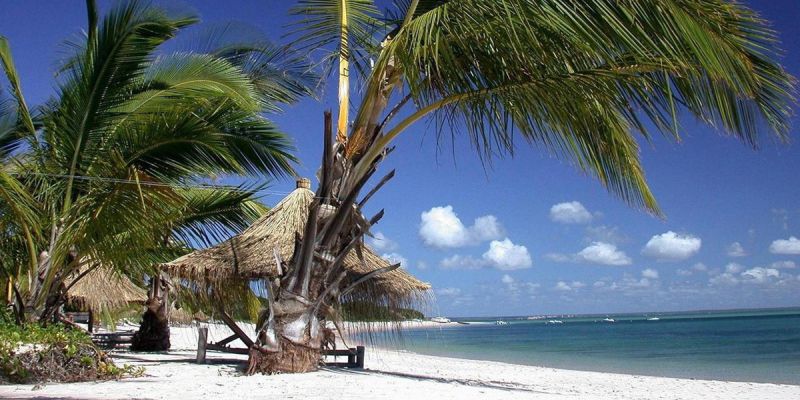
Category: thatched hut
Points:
column 251, row 255
column 102, row 289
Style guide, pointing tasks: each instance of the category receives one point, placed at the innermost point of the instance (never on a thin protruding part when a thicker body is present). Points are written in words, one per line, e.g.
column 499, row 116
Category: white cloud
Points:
column 572, row 212
column 448, row 291
column 672, row 246
column 700, row 267
column 734, row 268
column 502, row 254
column 684, row 272
column 784, row 265
column 603, row 253
column 566, row 287
column 735, row 249
column 422, row 265
column 650, row 273
column 558, row 257
column 603, row 233
column 506, row 255
column 462, row 262
column 380, row 242
column 440, row 227
column 507, row 279
column 785, row 246
column 395, row 258
column 486, row 228
column 759, row 274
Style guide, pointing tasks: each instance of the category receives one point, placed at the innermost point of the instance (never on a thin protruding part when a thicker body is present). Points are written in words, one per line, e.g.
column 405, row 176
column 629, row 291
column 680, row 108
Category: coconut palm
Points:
column 584, row 80
column 113, row 162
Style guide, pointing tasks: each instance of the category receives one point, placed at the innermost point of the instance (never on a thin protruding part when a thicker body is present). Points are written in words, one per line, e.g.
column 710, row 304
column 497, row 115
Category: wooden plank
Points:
column 235, row 328
column 227, row 340
column 202, row 342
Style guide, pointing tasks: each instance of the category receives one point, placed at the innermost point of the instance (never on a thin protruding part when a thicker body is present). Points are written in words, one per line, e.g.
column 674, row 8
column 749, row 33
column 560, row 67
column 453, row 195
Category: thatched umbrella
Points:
column 251, row 255
column 102, row 289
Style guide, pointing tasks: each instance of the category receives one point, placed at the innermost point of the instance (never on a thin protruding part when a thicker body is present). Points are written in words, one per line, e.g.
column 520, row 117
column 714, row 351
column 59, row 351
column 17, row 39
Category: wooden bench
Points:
column 112, row 340
column 355, row 356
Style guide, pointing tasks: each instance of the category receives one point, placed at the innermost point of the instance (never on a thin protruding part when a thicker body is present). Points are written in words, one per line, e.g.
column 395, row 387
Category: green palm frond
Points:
column 577, row 78
column 319, row 27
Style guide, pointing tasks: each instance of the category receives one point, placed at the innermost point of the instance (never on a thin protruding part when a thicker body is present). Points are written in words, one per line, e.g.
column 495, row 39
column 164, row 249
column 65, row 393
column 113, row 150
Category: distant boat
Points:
column 536, row 317
column 441, row 320
column 500, row 323
column 609, row 320
column 555, row 321
column 654, row 319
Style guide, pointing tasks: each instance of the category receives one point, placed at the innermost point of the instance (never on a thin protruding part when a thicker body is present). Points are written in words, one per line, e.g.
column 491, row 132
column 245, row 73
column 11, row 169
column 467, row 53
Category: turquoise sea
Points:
column 742, row 345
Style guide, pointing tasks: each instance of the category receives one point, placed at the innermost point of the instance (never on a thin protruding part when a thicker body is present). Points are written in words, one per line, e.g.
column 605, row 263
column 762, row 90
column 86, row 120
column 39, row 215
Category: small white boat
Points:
column 555, row 321
column 500, row 323
column 609, row 320
column 441, row 320
column 654, row 319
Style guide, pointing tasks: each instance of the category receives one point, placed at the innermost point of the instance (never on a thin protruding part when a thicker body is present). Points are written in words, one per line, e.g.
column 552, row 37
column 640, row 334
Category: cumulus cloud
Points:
column 734, row 268
column 672, row 246
column 572, row 212
column 506, row 255
column 502, row 254
column 735, row 249
column 785, row 246
column 568, row 286
column 784, row 265
column 603, row 233
column 422, row 265
column 395, row 258
column 380, row 242
column 684, row 272
column 507, row 279
column 448, row 291
column 650, row 273
column 759, row 275
column 462, row 262
column 440, row 227
column 603, row 253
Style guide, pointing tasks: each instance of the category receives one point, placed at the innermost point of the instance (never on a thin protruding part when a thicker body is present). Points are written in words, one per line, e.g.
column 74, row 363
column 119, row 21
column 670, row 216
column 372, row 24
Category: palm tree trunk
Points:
column 289, row 338
column 153, row 333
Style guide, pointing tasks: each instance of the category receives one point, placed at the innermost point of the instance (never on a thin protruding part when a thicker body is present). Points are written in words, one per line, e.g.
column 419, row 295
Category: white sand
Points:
column 388, row 375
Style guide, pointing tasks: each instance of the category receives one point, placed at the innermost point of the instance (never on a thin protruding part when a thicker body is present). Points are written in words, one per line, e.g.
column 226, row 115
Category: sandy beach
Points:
column 387, row 374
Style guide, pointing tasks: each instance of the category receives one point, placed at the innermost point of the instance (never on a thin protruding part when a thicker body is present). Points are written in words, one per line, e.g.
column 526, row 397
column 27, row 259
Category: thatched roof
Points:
column 103, row 289
column 250, row 254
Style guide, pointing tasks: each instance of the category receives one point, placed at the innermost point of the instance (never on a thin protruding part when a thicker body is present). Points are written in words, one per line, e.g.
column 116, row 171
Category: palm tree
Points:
column 112, row 164
column 584, row 80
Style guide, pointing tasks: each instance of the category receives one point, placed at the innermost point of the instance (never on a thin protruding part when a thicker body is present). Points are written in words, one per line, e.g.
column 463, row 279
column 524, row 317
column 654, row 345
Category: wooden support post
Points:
column 359, row 356
column 90, row 324
column 202, row 342
column 351, row 358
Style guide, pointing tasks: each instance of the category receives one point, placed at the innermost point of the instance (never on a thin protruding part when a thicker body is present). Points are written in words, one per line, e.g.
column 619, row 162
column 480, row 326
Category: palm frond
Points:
column 578, row 77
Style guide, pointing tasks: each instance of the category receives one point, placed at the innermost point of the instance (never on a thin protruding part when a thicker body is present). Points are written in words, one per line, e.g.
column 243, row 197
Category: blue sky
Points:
column 531, row 235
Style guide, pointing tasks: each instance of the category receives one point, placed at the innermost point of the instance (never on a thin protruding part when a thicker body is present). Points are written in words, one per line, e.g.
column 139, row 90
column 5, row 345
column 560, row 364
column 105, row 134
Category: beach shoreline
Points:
column 388, row 374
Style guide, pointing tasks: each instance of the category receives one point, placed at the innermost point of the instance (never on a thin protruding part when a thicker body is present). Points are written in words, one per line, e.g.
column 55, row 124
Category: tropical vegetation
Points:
column 117, row 170
column 98, row 173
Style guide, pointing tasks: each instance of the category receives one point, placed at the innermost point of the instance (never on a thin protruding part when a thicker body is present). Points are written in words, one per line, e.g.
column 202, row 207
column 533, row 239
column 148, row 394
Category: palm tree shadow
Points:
column 505, row 386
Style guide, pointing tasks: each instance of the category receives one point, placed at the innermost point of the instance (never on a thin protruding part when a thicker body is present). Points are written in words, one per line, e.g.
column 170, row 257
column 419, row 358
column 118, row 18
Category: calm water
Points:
column 757, row 346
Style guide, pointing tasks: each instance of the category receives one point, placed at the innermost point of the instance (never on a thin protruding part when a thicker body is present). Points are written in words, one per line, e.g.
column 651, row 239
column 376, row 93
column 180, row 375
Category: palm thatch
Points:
column 251, row 255
column 102, row 289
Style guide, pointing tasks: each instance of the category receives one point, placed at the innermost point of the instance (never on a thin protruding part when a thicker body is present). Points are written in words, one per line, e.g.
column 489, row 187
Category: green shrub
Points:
column 34, row 353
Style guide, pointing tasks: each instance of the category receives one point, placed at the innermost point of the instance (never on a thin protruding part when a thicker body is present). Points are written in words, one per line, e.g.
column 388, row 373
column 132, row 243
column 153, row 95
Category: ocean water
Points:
column 753, row 346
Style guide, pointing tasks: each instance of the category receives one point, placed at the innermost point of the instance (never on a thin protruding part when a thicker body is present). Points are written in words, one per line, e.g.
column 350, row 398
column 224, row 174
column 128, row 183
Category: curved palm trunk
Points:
column 153, row 333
